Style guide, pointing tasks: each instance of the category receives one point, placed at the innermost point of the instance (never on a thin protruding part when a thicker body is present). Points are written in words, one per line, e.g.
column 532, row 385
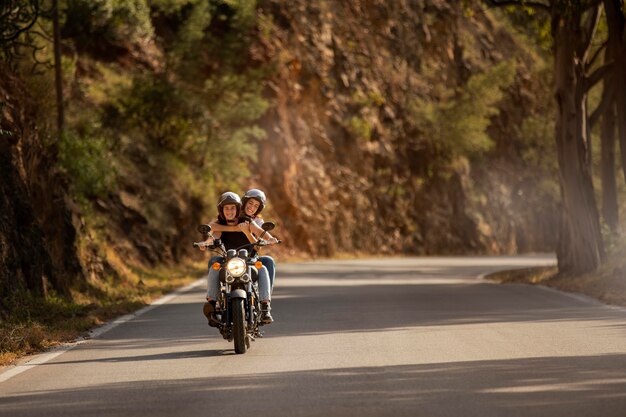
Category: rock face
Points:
column 345, row 164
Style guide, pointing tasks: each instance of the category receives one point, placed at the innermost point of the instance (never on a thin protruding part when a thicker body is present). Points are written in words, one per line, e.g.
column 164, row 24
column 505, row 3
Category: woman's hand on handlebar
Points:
column 266, row 242
column 203, row 245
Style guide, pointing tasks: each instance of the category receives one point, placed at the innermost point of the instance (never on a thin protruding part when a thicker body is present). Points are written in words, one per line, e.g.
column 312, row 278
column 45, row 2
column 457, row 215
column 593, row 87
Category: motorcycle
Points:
column 238, row 312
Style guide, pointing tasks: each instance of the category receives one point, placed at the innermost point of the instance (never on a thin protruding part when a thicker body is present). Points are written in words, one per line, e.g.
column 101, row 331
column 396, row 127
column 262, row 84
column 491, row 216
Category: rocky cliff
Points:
column 347, row 166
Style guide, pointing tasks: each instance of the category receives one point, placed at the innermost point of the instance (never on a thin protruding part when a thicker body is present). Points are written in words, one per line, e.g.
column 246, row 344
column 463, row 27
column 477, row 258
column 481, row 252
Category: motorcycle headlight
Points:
column 236, row 267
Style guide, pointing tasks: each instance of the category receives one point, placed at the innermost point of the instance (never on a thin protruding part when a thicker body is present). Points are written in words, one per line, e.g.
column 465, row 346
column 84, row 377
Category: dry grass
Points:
column 36, row 325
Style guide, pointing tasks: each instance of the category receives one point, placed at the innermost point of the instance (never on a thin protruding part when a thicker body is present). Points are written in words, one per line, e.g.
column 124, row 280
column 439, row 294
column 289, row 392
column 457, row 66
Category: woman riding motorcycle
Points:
column 253, row 203
column 228, row 208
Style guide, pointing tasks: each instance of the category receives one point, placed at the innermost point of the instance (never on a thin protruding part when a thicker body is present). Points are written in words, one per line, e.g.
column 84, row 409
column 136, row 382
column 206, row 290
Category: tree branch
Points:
column 589, row 27
column 596, row 54
column 607, row 99
column 598, row 75
column 20, row 17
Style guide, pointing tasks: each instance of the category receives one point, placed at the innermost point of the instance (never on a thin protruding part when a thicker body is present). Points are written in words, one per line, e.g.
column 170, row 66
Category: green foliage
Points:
column 85, row 158
column 202, row 113
column 156, row 108
column 114, row 21
column 369, row 99
column 207, row 55
column 532, row 22
column 195, row 21
column 234, row 103
column 360, row 128
column 535, row 136
column 457, row 125
column 208, row 32
column 235, row 99
column 266, row 24
column 358, row 125
column 213, row 128
column 536, row 140
column 171, row 7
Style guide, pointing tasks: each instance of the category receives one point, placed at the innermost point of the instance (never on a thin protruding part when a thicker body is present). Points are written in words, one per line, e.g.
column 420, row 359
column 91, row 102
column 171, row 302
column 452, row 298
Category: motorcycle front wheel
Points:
column 239, row 326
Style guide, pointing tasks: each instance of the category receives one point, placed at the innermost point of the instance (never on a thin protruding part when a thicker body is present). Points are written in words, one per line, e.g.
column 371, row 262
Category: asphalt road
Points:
column 392, row 337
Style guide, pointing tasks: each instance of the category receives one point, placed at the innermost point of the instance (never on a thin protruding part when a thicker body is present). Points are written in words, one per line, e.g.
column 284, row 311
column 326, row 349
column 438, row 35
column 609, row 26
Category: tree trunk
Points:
column 581, row 248
column 616, row 48
column 58, row 78
column 610, row 210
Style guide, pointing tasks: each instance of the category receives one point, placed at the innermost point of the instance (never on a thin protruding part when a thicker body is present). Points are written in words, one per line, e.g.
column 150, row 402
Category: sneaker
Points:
column 266, row 316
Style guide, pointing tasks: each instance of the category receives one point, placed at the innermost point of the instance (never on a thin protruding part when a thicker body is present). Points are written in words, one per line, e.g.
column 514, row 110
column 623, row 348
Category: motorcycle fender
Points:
column 238, row 293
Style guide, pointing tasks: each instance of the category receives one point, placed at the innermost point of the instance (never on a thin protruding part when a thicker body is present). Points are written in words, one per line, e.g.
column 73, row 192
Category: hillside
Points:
column 374, row 127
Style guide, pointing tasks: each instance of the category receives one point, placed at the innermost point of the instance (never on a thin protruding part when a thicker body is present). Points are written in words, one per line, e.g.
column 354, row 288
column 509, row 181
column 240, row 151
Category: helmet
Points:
column 256, row 194
column 228, row 198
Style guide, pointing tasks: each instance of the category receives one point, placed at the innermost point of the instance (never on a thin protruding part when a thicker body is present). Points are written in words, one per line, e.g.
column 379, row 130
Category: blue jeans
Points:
column 269, row 263
column 213, row 282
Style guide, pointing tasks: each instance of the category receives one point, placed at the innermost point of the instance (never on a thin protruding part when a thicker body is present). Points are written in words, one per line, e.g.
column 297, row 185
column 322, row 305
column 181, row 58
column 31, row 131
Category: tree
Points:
column 610, row 208
column 616, row 82
column 16, row 17
column 573, row 24
column 58, row 79
column 611, row 104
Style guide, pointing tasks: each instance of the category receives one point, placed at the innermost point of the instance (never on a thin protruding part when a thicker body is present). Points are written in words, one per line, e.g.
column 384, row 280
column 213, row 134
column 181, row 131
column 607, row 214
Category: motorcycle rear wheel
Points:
column 239, row 326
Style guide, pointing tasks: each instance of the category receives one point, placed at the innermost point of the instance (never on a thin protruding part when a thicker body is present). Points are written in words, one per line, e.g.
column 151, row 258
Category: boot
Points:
column 266, row 316
column 209, row 311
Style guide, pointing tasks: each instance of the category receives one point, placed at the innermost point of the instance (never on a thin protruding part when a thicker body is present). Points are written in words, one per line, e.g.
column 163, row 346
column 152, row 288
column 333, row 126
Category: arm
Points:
column 245, row 228
column 209, row 240
column 216, row 227
column 254, row 228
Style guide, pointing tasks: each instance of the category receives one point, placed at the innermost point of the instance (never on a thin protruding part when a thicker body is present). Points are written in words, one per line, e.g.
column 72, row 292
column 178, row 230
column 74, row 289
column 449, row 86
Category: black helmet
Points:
column 228, row 198
column 256, row 194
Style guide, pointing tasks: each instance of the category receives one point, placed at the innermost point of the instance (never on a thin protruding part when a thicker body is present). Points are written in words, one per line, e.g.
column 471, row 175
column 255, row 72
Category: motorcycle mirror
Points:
column 205, row 229
column 267, row 226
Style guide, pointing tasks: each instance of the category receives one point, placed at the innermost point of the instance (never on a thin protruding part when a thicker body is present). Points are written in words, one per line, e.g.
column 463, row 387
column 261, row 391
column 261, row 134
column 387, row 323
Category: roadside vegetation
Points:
column 37, row 324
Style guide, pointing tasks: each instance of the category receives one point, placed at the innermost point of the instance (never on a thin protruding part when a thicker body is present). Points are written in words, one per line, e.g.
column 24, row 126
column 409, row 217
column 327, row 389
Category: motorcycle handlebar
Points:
column 258, row 243
column 264, row 243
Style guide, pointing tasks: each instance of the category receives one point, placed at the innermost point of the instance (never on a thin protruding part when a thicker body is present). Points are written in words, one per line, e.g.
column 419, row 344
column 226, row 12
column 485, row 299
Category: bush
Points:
column 157, row 109
column 85, row 159
column 457, row 125
column 90, row 22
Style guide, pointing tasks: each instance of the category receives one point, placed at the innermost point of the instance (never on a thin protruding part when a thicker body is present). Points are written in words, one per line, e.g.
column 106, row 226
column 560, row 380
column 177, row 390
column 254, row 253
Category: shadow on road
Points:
column 315, row 310
column 557, row 386
column 304, row 308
